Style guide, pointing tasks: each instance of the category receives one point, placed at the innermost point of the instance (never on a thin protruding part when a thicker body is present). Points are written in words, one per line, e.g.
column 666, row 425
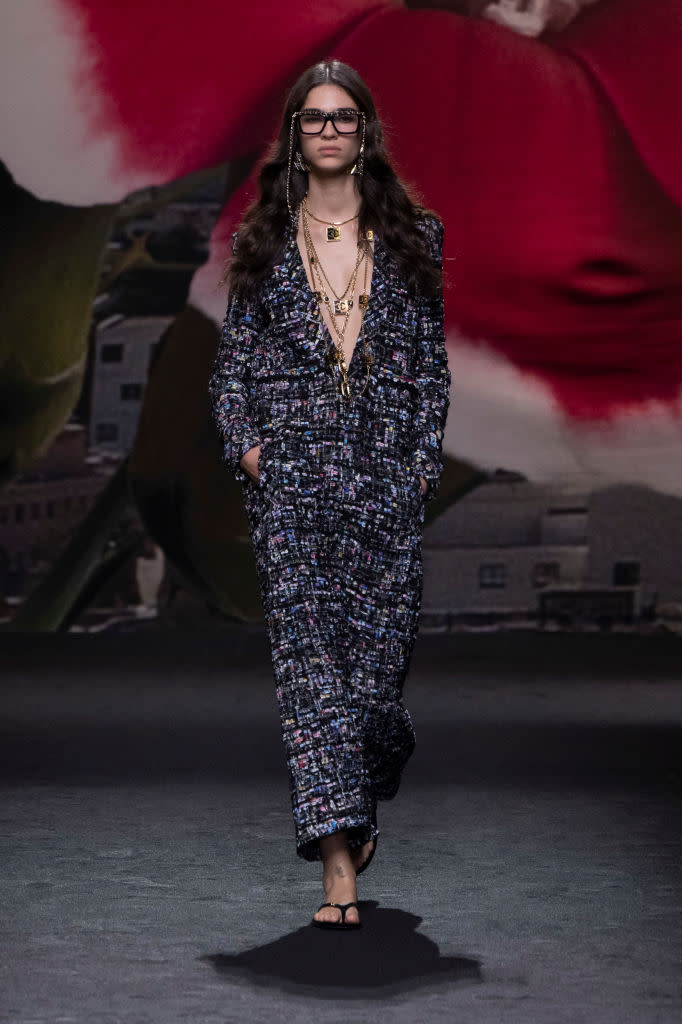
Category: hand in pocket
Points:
column 249, row 462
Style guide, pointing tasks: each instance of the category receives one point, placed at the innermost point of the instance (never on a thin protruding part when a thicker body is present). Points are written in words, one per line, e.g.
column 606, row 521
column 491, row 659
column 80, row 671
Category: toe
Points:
column 335, row 915
column 352, row 916
column 328, row 914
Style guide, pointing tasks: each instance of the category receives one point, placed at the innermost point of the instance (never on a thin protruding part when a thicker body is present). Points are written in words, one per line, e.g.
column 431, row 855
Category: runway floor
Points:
column 529, row 869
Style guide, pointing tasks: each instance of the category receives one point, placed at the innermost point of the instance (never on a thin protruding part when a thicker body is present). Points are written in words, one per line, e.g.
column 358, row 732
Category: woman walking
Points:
column 330, row 391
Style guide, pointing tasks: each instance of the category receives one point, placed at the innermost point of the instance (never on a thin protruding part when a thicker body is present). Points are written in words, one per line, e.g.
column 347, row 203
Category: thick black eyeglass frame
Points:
column 329, row 115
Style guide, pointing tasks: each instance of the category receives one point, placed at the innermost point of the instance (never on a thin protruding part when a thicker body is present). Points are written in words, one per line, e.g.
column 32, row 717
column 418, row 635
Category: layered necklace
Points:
column 341, row 304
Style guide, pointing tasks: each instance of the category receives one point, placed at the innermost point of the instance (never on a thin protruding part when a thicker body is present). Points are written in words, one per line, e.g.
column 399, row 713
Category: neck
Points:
column 333, row 197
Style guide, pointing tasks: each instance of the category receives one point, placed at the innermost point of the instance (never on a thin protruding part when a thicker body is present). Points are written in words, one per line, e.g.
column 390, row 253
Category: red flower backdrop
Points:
column 555, row 163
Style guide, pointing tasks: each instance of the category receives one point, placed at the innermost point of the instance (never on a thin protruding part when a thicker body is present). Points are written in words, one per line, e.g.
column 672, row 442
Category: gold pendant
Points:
column 345, row 388
column 343, row 305
column 333, row 233
column 364, row 300
column 320, row 296
column 369, row 235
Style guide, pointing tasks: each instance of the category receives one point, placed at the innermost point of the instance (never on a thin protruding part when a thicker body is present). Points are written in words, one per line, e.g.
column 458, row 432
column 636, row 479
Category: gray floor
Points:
column 529, row 870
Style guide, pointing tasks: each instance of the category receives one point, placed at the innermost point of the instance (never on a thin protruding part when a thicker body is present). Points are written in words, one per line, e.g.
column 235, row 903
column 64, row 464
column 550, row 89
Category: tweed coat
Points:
column 336, row 519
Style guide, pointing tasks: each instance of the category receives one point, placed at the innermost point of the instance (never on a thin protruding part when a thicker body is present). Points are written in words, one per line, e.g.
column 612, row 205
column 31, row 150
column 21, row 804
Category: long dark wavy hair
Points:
column 387, row 204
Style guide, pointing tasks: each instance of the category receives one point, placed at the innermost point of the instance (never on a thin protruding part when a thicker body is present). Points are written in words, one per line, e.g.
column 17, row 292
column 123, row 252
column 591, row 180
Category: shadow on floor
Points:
column 387, row 956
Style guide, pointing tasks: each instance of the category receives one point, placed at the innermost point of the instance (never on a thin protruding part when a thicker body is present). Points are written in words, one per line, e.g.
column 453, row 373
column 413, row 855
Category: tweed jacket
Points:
column 271, row 380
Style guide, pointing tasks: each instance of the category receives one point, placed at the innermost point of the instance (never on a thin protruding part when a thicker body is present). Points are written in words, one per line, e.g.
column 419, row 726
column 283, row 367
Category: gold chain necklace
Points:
column 333, row 226
column 335, row 356
column 342, row 307
column 341, row 304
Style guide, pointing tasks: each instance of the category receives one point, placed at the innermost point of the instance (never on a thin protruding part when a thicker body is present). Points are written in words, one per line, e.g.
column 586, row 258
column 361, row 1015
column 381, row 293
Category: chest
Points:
column 342, row 273
column 295, row 338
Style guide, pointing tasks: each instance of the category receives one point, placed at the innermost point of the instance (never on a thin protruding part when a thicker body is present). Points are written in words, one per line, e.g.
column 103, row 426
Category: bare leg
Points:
column 338, row 878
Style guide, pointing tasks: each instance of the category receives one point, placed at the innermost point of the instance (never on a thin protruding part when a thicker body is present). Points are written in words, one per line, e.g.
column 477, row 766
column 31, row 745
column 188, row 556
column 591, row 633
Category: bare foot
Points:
column 338, row 879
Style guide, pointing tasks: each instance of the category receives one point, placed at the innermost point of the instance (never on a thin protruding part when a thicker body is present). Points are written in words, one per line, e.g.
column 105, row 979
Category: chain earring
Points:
column 358, row 166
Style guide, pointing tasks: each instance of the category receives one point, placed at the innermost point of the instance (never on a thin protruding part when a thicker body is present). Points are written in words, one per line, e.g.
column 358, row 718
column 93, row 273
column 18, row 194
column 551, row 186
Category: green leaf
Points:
column 49, row 266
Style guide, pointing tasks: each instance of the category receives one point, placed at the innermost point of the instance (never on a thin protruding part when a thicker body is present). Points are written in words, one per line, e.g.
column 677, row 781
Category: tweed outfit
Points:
column 336, row 523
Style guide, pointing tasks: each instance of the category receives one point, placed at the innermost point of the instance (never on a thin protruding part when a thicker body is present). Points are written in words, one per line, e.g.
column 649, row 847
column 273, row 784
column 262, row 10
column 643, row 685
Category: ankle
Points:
column 339, row 872
column 334, row 845
column 340, row 869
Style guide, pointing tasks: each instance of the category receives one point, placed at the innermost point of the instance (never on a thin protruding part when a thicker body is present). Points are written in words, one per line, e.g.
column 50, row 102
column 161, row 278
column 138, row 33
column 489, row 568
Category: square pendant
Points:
column 343, row 305
column 333, row 233
column 364, row 300
column 369, row 235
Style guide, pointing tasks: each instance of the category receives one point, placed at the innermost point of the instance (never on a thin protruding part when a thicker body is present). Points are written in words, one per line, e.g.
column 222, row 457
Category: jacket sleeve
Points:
column 432, row 375
column 229, row 384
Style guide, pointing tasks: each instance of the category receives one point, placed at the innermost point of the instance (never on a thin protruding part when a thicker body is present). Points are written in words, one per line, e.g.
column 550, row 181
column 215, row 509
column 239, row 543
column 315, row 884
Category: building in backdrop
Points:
column 515, row 552
column 122, row 354
column 40, row 509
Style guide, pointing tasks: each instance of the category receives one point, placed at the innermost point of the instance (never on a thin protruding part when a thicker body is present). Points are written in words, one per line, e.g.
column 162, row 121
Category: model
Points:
column 330, row 390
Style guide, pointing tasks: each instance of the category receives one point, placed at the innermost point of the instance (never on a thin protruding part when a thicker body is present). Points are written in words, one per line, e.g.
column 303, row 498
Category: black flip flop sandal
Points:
column 341, row 925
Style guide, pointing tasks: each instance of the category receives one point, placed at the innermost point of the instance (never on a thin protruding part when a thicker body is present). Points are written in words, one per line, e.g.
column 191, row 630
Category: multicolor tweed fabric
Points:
column 336, row 523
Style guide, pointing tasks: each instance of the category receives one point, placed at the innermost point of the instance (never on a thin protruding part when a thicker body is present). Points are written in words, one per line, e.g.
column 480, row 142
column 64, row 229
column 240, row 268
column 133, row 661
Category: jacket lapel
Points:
column 294, row 306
